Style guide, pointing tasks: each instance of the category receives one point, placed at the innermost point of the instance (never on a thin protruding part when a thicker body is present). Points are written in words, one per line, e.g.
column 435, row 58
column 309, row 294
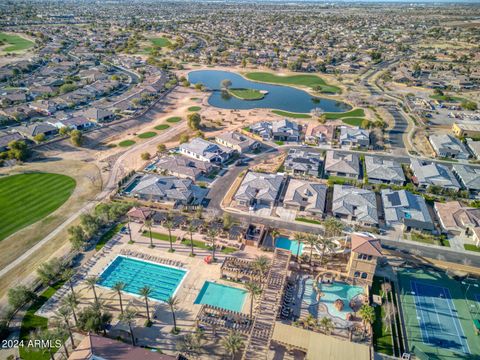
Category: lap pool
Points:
column 163, row 280
column 222, row 296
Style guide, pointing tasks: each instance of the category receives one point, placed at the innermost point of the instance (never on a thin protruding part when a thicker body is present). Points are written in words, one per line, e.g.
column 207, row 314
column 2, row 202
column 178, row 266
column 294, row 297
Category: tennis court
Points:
column 438, row 316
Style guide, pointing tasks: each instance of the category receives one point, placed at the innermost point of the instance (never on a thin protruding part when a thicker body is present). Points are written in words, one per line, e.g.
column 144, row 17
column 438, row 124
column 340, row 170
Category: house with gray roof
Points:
column 448, row 146
column 354, row 137
column 258, row 189
column 237, row 141
column 281, row 130
column 382, row 171
column 304, row 163
column 354, row 204
column 342, row 164
column 6, row 138
column 37, row 128
column 98, row 115
column 167, row 189
column 204, row 150
column 428, row 173
column 183, row 167
column 305, row 197
column 403, row 207
column 468, row 176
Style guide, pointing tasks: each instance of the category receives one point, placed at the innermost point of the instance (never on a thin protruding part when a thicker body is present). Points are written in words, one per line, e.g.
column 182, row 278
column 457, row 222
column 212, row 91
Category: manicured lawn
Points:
column 423, row 238
column 279, row 142
column 471, row 247
column 194, row 108
column 162, row 127
column 108, row 235
column 246, row 94
column 158, row 236
column 27, row 198
column 32, row 322
column 353, row 121
column 382, row 336
column 160, row 42
column 202, row 245
column 311, row 81
column 447, row 98
column 16, row 42
column 174, row 119
column 292, row 115
column 348, row 114
column 126, row 143
column 310, row 221
column 147, row 135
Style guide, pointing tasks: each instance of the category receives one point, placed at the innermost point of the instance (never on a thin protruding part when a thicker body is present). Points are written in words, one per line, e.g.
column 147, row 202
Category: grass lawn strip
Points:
column 16, row 42
column 31, row 197
column 126, row 143
column 246, row 94
column 202, row 245
column 311, row 81
column 162, row 127
column 147, row 135
column 348, row 114
column 471, row 247
column 292, row 115
column 353, row 121
column 158, row 236
column 310, row 221
column 108, row 235
column 174, row 119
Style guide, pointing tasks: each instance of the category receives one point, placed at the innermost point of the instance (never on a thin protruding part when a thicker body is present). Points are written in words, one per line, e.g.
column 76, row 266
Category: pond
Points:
column 278, row 97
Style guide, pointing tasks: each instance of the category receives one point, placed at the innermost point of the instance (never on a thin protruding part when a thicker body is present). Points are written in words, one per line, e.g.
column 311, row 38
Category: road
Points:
column 396, row 133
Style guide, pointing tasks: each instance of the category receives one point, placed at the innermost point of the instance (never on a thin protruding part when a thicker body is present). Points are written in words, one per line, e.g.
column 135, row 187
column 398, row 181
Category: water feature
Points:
column 278, row 97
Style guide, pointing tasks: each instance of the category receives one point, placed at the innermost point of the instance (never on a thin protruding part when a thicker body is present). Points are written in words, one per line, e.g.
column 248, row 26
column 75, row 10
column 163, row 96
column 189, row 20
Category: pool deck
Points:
column 159, row 334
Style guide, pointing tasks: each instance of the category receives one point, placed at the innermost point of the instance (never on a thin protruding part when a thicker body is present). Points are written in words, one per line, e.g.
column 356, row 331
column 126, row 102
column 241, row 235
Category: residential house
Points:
column 45, row 107
column 447, row 146
column 468, row 176
column 319, row 134
column 354, row 137
column 237, row 141
column 364, row 255
column 258, row 189
column 428, row 173
column 342, row 164
column 37, row 128
column 7, row 138
column 354, row 204
column 140, row 214
column 459, row 220
column 74, row 123
column 306, row 197
column 382, row 171
column 301, row 162
column 183, row 167
column 403, row 207
column 281, row 130
column 204, row 150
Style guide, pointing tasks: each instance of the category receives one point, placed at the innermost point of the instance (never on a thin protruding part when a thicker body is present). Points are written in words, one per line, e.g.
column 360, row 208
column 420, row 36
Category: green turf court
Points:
column 439, row 312
column 27, row 198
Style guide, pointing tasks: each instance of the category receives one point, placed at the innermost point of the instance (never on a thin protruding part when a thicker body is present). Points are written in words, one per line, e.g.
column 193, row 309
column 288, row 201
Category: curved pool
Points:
column 278, row 97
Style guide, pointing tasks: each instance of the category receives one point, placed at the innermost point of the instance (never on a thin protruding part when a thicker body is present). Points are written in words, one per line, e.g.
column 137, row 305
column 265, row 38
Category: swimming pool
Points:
column 130, row 187
column 287, row 244
column 163, row 280
column 342, row 291
column 223, row 296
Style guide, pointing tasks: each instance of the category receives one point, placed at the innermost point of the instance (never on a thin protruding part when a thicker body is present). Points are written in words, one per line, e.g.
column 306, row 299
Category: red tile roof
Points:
column 365, row 244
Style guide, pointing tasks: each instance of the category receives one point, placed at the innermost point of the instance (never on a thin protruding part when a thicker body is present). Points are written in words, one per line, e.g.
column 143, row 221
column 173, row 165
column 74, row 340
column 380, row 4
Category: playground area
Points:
column 440, row 314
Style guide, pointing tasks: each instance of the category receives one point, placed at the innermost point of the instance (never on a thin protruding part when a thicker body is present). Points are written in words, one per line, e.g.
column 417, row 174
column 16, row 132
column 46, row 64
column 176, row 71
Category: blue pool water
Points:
column 279, row 97
column 287, row 244
column 151, row 167
column 223, row 296
column 163, row 280
column 130, row 187
column 342, row 291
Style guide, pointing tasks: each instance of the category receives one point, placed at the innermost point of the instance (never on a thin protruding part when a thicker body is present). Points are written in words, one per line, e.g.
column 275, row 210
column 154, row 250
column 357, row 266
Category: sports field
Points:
column 439, row 313
column 27, row 198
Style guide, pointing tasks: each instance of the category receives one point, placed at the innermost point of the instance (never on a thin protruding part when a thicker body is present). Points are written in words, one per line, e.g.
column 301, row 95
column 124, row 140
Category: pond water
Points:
column 279, row 97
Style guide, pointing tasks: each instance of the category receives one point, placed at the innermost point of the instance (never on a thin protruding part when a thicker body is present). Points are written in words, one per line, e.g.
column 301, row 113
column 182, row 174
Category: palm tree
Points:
column 254, row 290
column 63, row 314
column 191, row 229
column 169, row 225
column 333, row 227
column 71, row 301
column 212, row 236
column 232, row 343
column 118, row 287
column 367, row 313
column 148, row 224
column 199, row 212
column 61, row 333
column 262, row 264
column 299, row 238
column 312, row 240
column 128, row 317
column 91, row 282
column 274, row 234
column 68, row 276
column 94, row 318
column 326, row 324
column 326, row 243
column 129, row 231
column 172, row 302
column 145, row 292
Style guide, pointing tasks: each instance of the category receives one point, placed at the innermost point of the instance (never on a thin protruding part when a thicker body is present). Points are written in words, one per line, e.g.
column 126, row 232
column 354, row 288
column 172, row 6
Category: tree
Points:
column 226, row 83
column 18, row 150
column 274, row 234
column 227, row 221
column 311, row 240
column 172, row 302
column 191, row 344
column 333, row 227
column 326, row 243
column 70, row 300
column 161, row 149
column 118, row 287
column 326, row 324
column 19, row 296
column 194, row 120
column 148, row 224
column 184, row 138
column 47, row 340
column 63, row 315
column 254, row 290
column 367, row 313
column 91, row 282
column 232, row 343
column 49, row 271
column 212, row 236
column 145, row 156
column 76, row 137
column 77, row 237
column 67, row 276
column 39, row 137
column 93, row 318
column 145, row 292
column 469, row 105
column 191, row 229
column 169, row 226
column 90, row 224
column 262, row 264
column 299, row 238
column 128, row 317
